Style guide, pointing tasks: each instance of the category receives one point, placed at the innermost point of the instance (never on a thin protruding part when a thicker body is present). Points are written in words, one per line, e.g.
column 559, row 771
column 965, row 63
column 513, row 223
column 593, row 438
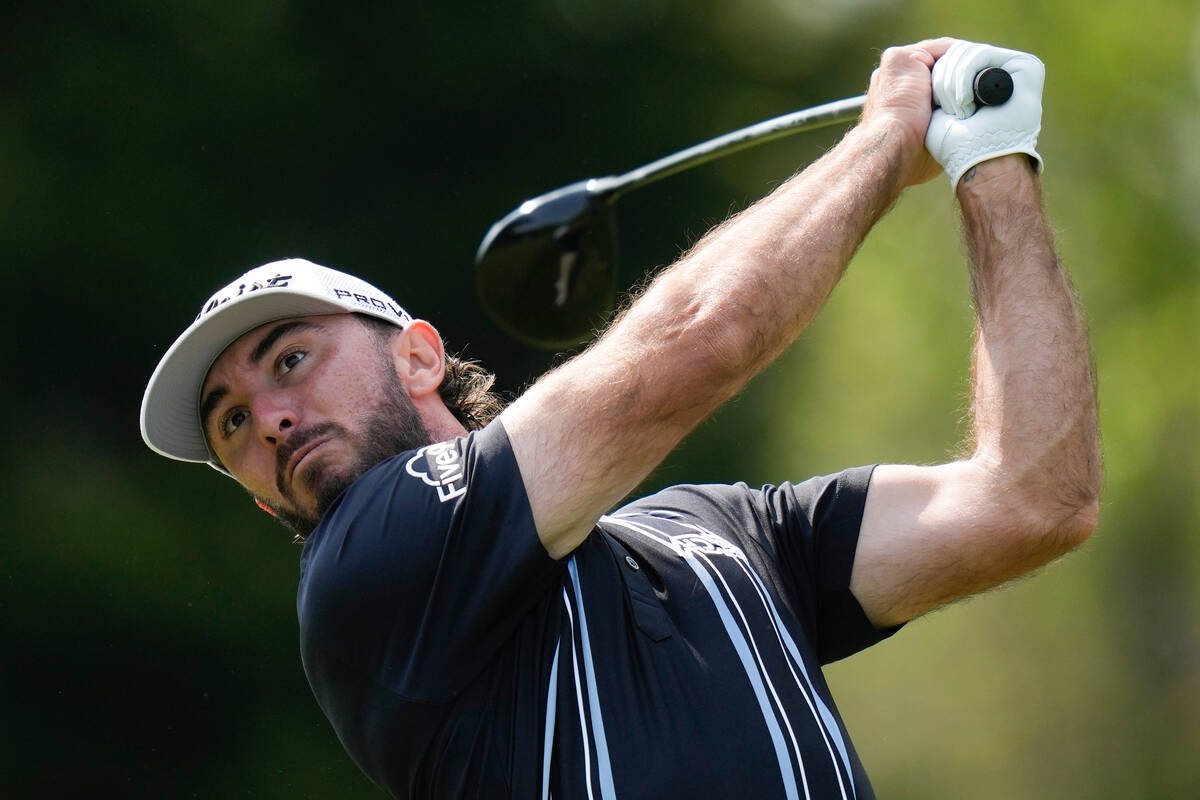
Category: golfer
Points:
column 481, row 617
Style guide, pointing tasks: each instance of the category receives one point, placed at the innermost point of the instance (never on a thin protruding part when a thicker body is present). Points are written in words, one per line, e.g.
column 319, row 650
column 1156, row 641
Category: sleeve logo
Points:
column 440, row 466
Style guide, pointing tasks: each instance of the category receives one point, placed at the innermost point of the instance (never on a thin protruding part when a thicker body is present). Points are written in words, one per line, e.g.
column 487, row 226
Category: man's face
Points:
column 297, row 409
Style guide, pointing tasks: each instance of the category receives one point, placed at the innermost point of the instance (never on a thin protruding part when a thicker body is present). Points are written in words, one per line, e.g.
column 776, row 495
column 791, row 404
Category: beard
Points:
column 391, row 427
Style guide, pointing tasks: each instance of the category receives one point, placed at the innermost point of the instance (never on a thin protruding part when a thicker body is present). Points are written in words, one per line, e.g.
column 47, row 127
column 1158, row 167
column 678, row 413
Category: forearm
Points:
column 1028, row 492
column 749, row 286
column 696, row 336
column 590, row 431
column 1033, row 405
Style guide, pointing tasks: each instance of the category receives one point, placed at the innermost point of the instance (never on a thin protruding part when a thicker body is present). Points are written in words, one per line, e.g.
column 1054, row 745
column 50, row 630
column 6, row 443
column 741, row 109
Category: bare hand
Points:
column 900, row 98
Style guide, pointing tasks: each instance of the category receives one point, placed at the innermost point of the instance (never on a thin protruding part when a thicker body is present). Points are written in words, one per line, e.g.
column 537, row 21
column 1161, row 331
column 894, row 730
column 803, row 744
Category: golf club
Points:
column 546, row 272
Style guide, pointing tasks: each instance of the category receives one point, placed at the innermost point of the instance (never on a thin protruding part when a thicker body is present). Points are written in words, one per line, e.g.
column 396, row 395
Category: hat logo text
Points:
column 373, row 302
column 276, row 282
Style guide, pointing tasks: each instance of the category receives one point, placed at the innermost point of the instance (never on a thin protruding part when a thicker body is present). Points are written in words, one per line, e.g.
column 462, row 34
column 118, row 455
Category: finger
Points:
column 961, row 77
column 873, row 87
column 935, row 48
column 905, row 64
column 952, row 91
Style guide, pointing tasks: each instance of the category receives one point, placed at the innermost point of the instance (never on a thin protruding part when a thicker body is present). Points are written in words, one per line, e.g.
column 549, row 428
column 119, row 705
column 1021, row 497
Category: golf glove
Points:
column 961, row 135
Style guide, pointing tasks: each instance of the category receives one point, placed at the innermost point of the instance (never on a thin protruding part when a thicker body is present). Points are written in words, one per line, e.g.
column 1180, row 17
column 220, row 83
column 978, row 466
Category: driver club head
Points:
column 546, row 272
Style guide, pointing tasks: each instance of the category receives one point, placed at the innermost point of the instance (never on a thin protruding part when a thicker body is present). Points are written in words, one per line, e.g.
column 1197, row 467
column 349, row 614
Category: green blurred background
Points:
column 152, row 151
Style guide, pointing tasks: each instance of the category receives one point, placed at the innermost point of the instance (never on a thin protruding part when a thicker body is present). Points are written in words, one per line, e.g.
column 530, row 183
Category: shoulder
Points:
column 424, row 561
column 806, row 531
column 385, row 535
column 428, row 483
column 837, row 499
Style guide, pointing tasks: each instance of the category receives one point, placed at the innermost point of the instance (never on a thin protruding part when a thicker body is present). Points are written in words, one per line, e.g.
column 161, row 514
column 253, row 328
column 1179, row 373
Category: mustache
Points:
column 296, row 441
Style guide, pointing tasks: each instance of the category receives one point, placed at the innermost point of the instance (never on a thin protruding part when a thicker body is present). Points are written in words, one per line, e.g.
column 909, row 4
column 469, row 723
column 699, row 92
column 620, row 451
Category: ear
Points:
column 420, row 358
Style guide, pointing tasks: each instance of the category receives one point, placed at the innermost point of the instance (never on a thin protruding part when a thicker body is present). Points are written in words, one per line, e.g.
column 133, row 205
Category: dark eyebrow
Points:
column 210, row 402
column 274, row 335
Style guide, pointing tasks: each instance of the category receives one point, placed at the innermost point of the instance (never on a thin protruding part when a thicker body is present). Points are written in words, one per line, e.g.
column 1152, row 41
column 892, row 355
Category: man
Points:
column 476, row 621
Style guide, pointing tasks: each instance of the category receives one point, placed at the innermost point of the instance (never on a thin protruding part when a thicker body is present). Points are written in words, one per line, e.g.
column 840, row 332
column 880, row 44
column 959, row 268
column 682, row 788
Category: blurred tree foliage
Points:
column 152, row 151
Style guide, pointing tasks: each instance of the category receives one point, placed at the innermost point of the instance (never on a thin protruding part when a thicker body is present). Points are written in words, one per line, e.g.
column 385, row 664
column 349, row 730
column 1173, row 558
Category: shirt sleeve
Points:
column 814, row 527
column 421, row 570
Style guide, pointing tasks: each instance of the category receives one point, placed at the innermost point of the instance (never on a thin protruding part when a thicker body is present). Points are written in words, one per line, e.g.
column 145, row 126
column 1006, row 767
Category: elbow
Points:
column 1048, row 514
column 1060, row 525
column 1077, row 526
column 1053, row 500
column 1039, row 536
column 1075, row 500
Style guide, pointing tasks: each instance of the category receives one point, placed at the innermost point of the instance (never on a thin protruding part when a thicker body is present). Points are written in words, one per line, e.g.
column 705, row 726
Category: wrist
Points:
column 902, row 139
column 1002, row 174
column 892, row 151
column 1002, row 212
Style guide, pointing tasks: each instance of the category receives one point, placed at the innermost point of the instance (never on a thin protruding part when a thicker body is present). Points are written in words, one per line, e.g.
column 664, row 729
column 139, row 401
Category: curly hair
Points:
column 466, row 388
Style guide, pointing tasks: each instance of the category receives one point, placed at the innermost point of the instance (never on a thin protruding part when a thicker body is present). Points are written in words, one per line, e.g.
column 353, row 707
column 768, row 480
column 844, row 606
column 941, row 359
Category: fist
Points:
column 959, row 134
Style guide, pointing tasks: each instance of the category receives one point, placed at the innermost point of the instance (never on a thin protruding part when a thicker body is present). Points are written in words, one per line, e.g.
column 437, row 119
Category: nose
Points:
column 276, row 416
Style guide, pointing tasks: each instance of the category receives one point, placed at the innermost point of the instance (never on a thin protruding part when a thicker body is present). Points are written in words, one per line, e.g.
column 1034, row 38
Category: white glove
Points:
column 960, row 135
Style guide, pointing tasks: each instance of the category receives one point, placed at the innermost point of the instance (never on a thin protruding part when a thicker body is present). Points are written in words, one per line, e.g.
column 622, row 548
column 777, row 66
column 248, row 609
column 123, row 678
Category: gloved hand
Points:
column 961, row 135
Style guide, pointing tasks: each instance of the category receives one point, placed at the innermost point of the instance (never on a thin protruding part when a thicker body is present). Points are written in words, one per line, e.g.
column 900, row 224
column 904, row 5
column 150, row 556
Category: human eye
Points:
column 289, row 360
column 232, row 420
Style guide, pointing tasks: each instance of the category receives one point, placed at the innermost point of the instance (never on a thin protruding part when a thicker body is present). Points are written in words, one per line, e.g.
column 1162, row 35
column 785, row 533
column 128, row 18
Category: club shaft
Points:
column 804, row 120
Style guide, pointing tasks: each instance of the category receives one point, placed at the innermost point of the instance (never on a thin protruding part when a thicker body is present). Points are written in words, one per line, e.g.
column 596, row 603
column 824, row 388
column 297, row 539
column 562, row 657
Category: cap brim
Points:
column 170, row 417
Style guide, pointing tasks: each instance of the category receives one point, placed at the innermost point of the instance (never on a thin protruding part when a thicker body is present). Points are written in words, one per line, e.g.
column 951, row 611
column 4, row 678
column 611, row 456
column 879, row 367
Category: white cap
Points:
column 282, row 289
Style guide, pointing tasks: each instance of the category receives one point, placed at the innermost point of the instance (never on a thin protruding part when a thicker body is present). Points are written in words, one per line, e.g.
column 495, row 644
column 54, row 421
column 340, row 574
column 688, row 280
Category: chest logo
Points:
column 706, row 543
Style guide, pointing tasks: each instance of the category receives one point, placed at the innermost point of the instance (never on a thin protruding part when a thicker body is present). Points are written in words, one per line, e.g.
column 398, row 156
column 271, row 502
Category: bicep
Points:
column 583, row 439
column 931, row 535
column 587, row 433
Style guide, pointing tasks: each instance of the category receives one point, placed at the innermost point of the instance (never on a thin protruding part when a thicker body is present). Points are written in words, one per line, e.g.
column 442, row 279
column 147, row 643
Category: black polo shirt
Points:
column 675, row 653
